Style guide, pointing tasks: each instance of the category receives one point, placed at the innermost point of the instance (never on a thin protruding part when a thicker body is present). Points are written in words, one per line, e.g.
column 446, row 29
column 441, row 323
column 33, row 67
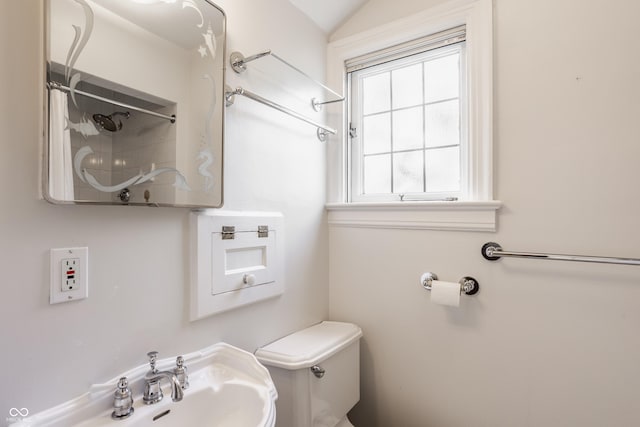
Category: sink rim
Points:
column 99, row 398
column 144, row 414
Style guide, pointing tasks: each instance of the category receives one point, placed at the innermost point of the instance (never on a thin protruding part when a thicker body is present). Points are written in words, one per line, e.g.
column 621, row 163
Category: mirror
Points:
column 135, row 96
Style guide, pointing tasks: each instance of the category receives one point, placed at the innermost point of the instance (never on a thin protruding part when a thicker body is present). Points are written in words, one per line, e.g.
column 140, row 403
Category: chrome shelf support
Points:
column 239, row 65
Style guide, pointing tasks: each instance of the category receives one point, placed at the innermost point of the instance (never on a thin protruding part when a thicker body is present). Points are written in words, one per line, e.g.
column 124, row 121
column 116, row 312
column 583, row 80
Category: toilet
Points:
column 316, row 372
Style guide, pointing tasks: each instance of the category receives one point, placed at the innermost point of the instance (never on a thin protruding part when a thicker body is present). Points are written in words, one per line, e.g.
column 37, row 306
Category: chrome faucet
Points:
column 152, row 391
column 122, row 401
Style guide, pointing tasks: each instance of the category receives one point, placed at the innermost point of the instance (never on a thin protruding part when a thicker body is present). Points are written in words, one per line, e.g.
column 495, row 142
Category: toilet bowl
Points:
column 316, row 372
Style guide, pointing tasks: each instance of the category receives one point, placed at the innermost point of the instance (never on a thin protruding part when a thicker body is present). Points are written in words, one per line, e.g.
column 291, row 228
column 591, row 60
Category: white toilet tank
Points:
column 323, row 398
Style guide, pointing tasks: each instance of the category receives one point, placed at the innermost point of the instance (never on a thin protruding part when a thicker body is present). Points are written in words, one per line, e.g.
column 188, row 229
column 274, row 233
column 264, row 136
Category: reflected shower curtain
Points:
column 60, row 159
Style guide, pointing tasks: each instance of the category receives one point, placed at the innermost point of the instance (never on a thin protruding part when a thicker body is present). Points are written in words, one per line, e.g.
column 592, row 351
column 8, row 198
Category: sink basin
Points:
column 228, row 388
column 234, row 405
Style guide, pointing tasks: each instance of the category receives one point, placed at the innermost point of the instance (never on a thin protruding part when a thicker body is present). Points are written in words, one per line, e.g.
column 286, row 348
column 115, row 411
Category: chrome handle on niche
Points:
column 317, row 371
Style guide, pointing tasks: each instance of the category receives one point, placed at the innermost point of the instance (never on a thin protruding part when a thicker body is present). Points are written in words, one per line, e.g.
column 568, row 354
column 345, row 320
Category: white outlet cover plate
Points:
column 81, row 291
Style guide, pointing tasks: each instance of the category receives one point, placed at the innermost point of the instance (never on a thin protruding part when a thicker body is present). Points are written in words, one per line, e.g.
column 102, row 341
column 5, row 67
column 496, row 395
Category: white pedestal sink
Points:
column 228, row 388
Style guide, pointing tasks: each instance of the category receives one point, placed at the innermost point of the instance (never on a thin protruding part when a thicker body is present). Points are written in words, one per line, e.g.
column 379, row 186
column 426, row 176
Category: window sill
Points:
column 463, row 216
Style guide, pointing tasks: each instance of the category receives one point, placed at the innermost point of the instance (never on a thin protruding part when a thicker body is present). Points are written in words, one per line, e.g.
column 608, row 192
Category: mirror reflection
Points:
column 135, row 102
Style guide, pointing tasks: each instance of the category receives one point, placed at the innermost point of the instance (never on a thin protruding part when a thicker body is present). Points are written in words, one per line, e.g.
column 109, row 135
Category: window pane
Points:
column 407, row 172
column 410, row 127
column 407, row 129
column 443, row 169
column 407, row 86
column 441, row 78
column 376, row 135
column 442, row 124
column 377, row 174
column 376, row 93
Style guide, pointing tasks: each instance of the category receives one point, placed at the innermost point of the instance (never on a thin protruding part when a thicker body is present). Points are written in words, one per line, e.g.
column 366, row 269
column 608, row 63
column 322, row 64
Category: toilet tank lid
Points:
column 309, row 346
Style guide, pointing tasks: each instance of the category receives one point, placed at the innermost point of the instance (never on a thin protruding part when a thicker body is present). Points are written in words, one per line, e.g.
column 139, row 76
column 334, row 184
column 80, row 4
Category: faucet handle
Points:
column 153, row 355
column 123, row 384
column 180, row 362
column 181, row 373
column 122, row 401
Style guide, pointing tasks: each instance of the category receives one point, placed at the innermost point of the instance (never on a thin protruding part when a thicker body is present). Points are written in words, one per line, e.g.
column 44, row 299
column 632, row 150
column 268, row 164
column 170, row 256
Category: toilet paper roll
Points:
column 445, row 293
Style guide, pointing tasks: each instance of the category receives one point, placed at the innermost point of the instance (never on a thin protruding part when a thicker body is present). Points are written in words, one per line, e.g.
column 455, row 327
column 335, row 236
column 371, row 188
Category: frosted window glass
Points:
column 376, row 93
column 442, row 124
column 407, row 129
column 377, row 174
column 443, row 169
column 407, row 86
column 441, row 78
column 407, row 172
column 377, row 134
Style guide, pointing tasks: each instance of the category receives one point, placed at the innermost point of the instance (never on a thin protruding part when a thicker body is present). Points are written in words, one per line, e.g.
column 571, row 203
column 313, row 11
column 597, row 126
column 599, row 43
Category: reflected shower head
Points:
column 108, row 123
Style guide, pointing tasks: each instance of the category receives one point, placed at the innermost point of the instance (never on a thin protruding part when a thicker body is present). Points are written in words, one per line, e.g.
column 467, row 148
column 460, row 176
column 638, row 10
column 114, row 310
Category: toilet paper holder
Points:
column 468, row 284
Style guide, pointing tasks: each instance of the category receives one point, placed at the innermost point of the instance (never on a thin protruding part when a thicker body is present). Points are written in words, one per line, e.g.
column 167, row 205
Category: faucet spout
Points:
column 153, row 392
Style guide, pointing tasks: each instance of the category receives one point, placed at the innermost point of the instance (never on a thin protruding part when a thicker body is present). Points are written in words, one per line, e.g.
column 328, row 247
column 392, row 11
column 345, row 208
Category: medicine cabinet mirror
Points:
column 135, row 102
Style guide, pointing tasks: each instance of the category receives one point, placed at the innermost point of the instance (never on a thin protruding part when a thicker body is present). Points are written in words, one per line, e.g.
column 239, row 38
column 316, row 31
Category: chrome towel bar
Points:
column 493, row 251
column 230, row 95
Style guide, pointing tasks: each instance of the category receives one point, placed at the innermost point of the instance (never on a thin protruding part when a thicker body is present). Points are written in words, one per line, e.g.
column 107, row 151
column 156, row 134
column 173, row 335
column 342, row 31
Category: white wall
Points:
column 543, row 344
column 138, row 260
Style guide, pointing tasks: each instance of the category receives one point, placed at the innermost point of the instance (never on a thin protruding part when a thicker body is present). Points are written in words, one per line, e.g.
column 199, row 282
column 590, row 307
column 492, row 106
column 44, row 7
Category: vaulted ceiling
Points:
column 328, row 14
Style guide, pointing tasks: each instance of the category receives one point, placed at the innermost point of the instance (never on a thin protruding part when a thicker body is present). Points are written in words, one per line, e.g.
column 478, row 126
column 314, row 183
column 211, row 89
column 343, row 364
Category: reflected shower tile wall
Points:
column 97, row 164
column 144, row 144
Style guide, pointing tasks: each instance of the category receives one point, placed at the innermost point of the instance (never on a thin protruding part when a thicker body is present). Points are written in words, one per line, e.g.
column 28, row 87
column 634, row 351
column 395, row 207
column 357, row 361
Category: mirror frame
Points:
column 46, row 155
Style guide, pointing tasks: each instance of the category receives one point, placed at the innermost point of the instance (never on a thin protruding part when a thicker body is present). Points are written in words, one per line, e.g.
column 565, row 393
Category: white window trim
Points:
column 479, row 212
column 461, row 216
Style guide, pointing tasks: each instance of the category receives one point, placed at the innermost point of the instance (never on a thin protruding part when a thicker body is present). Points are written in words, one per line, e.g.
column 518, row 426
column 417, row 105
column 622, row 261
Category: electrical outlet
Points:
column 69, row 267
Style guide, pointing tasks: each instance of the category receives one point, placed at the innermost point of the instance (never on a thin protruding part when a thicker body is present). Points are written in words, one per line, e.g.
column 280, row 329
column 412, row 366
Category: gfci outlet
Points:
column 70, row 274
column 69, row 279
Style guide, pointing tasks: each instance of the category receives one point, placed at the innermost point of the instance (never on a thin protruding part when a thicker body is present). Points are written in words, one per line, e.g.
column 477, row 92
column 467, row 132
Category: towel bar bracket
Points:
column 239, row 62
column 488, row 249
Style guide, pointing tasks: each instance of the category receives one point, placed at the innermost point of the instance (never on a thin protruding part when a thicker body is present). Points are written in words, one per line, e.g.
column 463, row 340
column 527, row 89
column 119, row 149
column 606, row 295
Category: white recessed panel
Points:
column 230, row 269
column 244, row 261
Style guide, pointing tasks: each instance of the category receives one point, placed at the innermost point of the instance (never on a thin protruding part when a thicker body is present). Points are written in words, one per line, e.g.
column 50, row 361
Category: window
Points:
column 408, row 121
column 421, row 152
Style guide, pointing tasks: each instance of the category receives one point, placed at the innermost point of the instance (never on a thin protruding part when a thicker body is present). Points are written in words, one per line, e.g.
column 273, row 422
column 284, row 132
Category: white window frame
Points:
column 355, row 193
column 476, row 209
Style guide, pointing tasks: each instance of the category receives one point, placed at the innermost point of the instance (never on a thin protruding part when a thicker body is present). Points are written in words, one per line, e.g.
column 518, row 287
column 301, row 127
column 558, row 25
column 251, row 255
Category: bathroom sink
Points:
column 228, row 406
column 228, row 388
